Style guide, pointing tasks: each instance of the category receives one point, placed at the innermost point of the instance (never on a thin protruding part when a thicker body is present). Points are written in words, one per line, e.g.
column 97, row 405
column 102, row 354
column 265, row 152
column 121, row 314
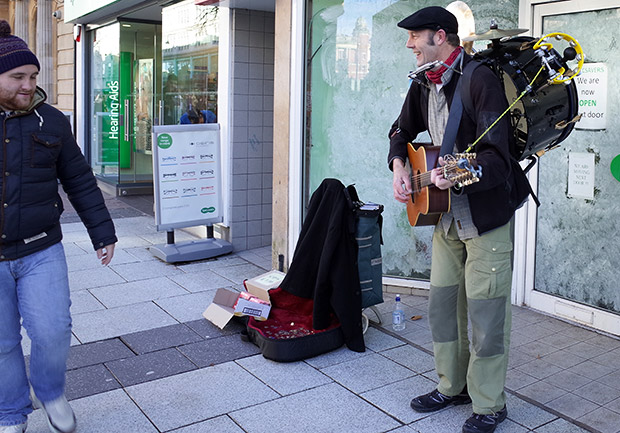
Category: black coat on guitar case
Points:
column 318, row 305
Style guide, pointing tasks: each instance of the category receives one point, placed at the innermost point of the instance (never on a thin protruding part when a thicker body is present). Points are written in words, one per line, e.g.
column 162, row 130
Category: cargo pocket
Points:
column 488, row 271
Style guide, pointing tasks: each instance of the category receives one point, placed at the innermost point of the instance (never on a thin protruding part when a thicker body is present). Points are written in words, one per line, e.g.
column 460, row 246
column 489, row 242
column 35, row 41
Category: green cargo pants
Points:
column 473, row 275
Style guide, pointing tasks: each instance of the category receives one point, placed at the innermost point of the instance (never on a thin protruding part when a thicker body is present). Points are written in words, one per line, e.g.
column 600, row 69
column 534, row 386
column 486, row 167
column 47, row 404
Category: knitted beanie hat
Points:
column 14, row 51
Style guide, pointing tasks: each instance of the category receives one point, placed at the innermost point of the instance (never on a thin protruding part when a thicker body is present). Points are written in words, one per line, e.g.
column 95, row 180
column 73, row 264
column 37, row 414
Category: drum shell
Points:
column 536, row 118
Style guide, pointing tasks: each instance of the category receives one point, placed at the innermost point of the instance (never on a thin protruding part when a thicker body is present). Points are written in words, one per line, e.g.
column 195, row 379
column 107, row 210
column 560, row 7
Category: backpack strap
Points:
column 465, row 83
column 460, row 100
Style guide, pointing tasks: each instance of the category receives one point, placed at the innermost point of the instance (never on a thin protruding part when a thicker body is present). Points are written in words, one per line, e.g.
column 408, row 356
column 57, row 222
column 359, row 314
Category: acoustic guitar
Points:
column 427, row 202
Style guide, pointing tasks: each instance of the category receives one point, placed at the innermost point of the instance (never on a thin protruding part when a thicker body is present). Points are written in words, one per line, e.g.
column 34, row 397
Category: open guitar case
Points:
column 318, row 306
column 288, row 334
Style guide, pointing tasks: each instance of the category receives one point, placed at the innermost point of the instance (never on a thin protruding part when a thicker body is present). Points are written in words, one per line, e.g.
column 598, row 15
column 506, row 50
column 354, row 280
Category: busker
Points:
column 471, row 269
column 38, row 150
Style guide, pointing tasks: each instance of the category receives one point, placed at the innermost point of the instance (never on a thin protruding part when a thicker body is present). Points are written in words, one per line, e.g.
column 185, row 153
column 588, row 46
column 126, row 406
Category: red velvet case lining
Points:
column 290, row 317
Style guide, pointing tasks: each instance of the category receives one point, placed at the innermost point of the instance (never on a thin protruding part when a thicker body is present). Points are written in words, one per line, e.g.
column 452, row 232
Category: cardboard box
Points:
column 259, row 286
column 227, row 304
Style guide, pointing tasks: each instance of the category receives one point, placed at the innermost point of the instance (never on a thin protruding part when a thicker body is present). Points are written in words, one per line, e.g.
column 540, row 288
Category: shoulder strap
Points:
column 454, row 120
column 465, row 81
column 461, row 99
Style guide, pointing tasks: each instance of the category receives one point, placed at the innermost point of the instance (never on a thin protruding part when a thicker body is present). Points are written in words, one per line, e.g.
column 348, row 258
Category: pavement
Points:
column 143, row 360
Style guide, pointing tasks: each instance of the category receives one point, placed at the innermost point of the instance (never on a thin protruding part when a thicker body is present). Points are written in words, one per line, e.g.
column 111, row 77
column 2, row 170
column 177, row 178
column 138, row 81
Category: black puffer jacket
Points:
column 38, row 150
column 503, row 185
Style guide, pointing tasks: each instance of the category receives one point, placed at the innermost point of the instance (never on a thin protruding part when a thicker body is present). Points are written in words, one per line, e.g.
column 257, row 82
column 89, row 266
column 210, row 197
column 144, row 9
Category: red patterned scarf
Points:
column 435, row 76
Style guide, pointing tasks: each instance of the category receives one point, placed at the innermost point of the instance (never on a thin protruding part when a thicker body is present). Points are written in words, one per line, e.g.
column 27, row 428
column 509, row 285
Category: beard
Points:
column 15, row 101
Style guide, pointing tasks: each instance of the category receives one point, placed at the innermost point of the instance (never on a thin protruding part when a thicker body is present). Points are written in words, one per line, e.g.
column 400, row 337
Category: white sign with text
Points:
column 187, row 175
column 581, row 175
column 592, row 90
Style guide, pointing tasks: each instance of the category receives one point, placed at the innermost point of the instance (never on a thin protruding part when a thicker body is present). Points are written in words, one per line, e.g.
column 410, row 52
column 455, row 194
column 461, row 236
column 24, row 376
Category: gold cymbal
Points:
column 494, row 34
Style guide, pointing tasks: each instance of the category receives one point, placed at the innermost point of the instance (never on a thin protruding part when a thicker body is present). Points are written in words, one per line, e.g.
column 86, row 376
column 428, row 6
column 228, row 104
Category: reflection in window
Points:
column 357, row 66
column 190, row 62
column 105, row 94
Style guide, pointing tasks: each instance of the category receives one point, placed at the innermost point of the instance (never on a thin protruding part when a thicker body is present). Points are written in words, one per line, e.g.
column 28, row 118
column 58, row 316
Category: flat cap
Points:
column 432, row 17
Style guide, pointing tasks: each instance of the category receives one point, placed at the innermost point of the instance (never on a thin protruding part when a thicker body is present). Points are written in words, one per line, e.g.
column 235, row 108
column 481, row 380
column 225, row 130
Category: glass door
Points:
column 126, row 71
column 140, row 57
column 573, row 264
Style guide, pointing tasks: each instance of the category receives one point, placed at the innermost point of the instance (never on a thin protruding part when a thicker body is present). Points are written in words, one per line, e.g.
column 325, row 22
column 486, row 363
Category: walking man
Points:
column 37, row 151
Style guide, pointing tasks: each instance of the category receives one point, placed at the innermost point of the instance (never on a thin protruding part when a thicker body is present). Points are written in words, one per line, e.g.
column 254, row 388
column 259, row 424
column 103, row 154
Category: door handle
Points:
column 126, row 119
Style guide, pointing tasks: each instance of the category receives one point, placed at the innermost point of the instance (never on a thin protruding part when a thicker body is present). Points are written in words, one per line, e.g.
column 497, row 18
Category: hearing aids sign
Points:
column 187, row 175
column 592, row 90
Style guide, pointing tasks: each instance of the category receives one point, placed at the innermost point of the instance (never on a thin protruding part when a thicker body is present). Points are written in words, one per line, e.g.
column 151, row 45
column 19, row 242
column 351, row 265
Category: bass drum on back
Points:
column 545, row 115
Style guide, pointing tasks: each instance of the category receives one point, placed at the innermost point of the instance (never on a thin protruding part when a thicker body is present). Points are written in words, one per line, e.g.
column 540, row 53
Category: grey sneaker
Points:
column 19, row 428
column 60, row 416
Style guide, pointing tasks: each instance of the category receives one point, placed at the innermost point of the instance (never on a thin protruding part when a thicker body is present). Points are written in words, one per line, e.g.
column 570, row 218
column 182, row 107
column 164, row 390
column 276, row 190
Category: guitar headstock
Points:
column 462, row 169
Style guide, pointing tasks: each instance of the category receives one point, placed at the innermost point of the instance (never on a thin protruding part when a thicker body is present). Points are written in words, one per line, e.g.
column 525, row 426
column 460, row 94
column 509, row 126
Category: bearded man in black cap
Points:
column 38, row 150
column 471, row 269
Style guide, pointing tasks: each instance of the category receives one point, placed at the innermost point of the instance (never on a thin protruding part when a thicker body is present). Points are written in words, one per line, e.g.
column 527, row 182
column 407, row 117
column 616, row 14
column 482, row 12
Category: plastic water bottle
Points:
column 398, row 316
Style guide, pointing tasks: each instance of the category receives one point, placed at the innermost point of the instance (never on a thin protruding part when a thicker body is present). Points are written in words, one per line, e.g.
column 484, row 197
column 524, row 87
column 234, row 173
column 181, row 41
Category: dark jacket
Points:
column 38, row 150
column 324, row 265
column 500, row 191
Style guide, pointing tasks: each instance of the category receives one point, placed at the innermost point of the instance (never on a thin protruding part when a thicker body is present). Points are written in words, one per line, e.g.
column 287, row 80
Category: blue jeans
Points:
column 34, row 288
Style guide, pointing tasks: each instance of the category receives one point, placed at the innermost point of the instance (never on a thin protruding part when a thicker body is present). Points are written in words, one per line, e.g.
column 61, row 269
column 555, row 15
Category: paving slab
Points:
column 97, row 277
column 91, row 380
column 112, row 412
column 284, row 377
column 603, row 420
column 237, row 274
column 187, row 307
column 377, row 340
column 164, row 337
column 325, row 409
column 150, row 366
column 220, row 424
column 145, row 270
column 90, row 261
column 394, row 398
column 200, row 281
column 218, row 350
column 97, row 352
column 560, row 426
column 336, row 356
column 411, row 357
column 82, row 301
column 210, row 264
column 199, row 395
column 207, row 330
column 110, row 323
column 134, row 292
column 527, row 414
column 572, row 405
column 368, row 372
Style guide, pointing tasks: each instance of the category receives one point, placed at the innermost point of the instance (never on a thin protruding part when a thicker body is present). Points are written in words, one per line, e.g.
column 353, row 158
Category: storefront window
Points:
column 105, row 111
column 189, row 67
column 577, row 248
column 357, row 66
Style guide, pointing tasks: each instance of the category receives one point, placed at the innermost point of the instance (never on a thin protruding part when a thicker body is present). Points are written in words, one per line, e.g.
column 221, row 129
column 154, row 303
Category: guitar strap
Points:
column 456, row 109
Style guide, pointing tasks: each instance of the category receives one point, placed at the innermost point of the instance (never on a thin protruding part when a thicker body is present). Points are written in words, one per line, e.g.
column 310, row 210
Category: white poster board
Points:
column 592, row 90
column 581, row 175
column 187, row 175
